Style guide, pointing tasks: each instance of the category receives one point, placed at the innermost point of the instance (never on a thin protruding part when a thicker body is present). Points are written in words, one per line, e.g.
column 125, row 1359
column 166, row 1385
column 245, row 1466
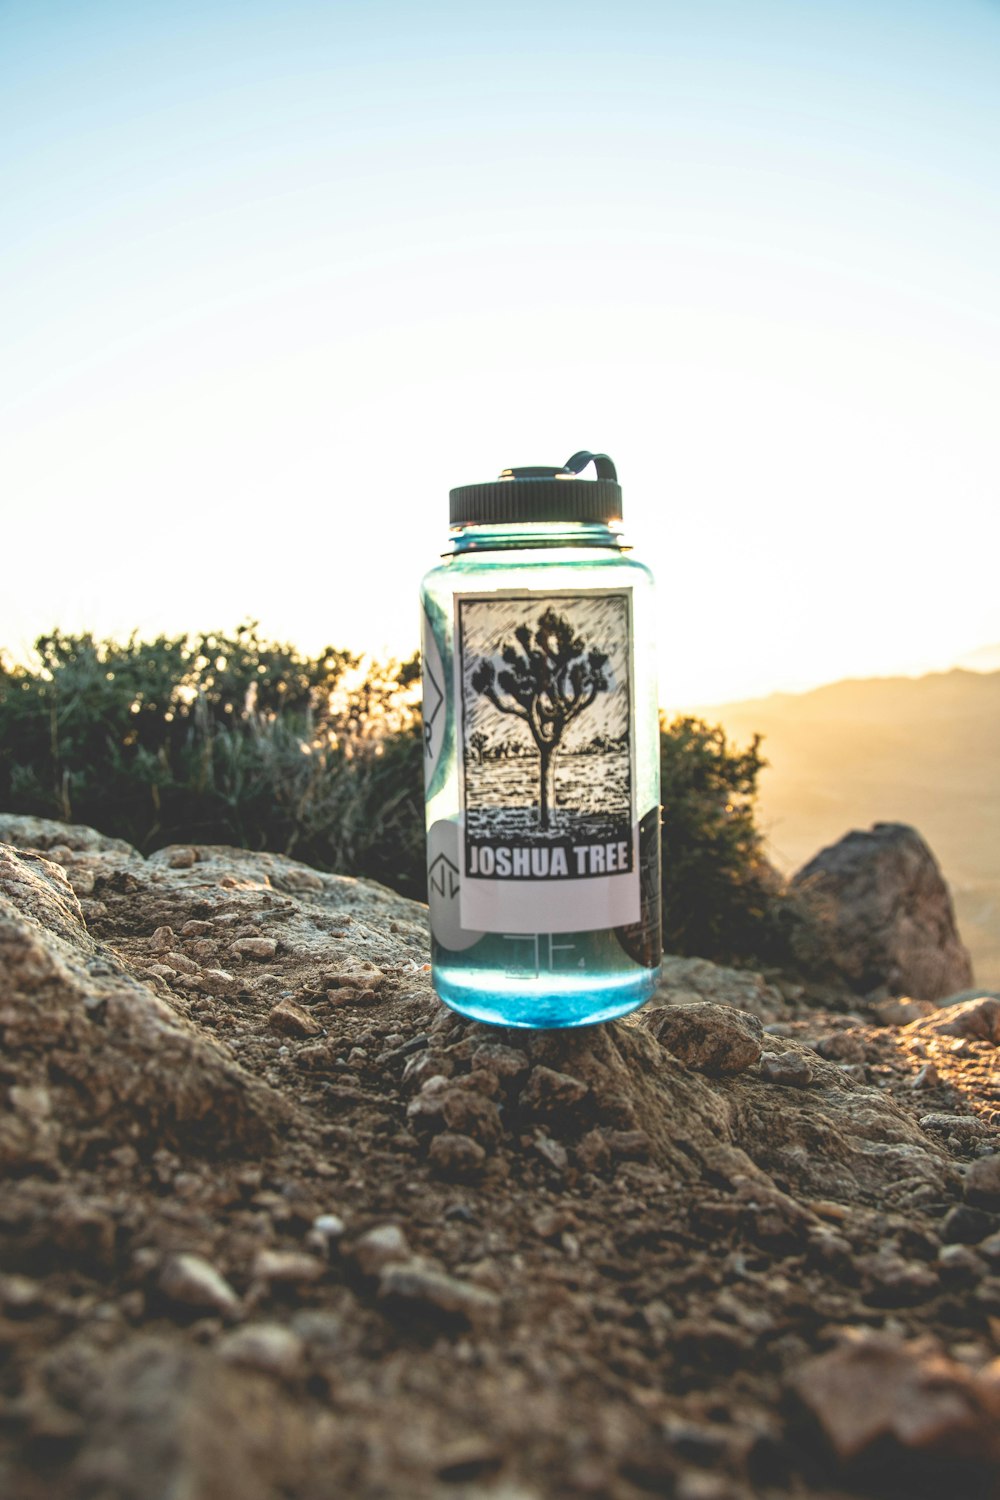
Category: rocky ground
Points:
column 273, row 1223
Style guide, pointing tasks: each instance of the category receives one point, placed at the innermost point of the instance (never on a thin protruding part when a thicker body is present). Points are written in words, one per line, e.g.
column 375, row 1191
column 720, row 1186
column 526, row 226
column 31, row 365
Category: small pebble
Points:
column 829, row 1246
column 900, row 1012
column 288, row 1018
column 927, row 1078
column 424, row 1066
column 216, row 981
column 548, row 1092
column 842, row 1047
column 962, row 1126
column 203, row 949
column 192, row 1281
column 966, row 1226
column 714, row 1039
column 180, row 963
column 260, row 948
column 790, row 1069
column 629, row 1145
column 413, row 1044
column 550, row 1223
column 264, row 1346
column 380, row 1247
column 982, row 1182
column 325, row 1231
column 990, row 1247
column 698, row 1484
column 322, row 1330
column 30, row 1100
column 593, row 1152
column 20, row 1292
column 977, row 1019
column 456, row 1156
column 960, row 1260
column 181, row 858
column 415, row 1283
column 553, row 1152
column 908, row 1280
column 286, row 1265
column 506, row 1063
column 466, row 1458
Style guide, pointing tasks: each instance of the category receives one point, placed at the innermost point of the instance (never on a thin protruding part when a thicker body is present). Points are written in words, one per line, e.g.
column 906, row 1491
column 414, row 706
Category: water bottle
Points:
column 541, row 753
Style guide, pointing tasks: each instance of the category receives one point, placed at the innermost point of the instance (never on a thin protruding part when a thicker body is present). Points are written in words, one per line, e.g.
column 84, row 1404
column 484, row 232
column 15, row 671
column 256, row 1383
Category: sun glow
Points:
column 267, row 316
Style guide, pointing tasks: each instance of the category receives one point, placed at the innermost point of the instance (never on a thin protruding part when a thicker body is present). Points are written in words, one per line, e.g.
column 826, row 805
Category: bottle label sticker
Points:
column 444, row 887
column 545, row 703
column 434, row 709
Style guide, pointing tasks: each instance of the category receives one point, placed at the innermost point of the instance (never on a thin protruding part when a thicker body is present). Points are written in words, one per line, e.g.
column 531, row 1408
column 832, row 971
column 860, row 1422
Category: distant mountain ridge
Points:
column 983, row 659
column 919, row 750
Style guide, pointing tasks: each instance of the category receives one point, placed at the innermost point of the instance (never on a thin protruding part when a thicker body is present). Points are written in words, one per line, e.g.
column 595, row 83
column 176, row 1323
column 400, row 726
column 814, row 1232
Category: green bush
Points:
column 722, row 899
column 229, row 738
column 220, row 738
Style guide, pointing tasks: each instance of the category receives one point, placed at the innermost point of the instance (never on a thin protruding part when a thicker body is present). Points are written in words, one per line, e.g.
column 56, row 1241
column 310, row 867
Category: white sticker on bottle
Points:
column 546, row 765
column 444, row 884
column 434, row 706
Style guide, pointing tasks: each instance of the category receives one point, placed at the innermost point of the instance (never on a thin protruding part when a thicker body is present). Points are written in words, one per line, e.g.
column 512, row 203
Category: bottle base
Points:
column 579, row 1005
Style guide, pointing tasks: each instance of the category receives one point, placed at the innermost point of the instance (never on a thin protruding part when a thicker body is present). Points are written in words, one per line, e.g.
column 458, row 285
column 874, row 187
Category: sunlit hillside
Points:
column 916, row 750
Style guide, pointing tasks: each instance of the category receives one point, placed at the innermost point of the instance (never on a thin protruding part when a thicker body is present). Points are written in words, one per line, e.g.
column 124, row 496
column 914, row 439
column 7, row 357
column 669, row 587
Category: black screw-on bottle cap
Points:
column 541, row 494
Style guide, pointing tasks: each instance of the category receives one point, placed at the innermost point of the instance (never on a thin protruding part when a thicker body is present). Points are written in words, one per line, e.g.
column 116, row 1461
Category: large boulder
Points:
column 888, row 913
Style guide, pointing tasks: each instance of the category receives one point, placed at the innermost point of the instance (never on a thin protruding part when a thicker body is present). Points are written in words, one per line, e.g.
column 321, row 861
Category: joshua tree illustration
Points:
column 547, row 683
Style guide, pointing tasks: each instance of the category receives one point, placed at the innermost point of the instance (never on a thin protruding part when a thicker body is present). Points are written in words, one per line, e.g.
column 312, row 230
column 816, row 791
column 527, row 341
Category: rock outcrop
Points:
column 883, row 903
column 275, row 1222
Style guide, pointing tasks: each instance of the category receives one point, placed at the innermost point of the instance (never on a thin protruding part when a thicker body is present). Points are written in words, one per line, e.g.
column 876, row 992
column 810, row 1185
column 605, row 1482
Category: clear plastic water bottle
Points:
column 541, row 739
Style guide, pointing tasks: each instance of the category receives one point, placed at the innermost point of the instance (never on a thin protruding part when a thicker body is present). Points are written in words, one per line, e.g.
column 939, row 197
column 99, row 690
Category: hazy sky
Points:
column 276, row 276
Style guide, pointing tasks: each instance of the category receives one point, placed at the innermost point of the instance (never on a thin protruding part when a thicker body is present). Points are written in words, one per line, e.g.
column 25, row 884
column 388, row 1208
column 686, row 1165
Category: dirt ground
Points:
column 274, row 1223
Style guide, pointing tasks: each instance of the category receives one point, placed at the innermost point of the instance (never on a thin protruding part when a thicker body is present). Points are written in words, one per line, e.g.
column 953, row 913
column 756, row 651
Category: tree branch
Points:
column 505, row 708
